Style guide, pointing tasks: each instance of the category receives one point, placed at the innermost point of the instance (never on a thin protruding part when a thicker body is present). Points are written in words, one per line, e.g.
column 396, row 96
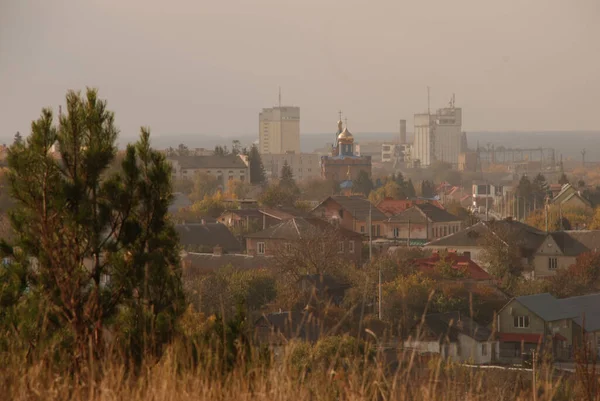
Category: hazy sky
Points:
column 208, row 67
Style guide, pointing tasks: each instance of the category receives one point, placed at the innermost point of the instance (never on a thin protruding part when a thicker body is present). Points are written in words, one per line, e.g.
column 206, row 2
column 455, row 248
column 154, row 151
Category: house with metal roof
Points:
column 422, row 221
column 526, row 322
column 314, row 238
column 455, row 337
column 470, row 240
column 570, row 197
column 205, row 237
column 352, row 213
column 560, row 249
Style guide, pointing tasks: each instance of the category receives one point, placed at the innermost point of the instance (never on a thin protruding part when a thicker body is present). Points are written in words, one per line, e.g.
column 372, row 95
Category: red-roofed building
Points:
column 392, row 207
column 462, row 263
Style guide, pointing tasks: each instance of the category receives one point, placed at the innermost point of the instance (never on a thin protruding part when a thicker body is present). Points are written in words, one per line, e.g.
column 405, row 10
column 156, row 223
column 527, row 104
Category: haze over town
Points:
column 207, row 68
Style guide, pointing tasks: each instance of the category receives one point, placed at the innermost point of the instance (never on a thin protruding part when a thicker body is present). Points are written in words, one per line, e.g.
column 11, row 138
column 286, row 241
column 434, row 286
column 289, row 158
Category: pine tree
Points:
column 410, row 189
column 286, row 180
column 18, row 138
column 94, row 246
column 257, row 170
column 563, row 180
column 427, row 189
column 362, row 184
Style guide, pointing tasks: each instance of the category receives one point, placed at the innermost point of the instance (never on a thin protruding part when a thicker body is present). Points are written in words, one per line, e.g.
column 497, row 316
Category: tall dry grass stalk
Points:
column 179, row 376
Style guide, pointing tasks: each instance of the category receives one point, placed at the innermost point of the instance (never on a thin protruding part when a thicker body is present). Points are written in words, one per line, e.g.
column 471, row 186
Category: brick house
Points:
column 424, row 221
column 352, row 213
column 293, row 234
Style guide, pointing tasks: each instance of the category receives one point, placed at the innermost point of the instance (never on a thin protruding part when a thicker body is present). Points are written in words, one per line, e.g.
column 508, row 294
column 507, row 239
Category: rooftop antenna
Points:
column 428, row 104
column 280, row 97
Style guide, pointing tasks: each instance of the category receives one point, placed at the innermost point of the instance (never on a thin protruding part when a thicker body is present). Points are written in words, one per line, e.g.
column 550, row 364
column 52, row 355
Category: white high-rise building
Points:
column 439, row 136
column 279, row 130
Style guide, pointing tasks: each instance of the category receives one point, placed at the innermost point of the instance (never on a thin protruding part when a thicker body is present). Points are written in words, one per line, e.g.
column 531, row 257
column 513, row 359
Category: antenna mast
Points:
column 428, row 102
column 280, row 97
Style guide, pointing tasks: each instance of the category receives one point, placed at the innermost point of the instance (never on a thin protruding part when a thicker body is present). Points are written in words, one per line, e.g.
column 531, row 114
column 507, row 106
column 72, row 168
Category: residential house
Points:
column 470, row 240
column 272, row 216
column 455, row 337
column 352, row 213
column 471, row 271
column 425, row 222
column 223, row 168
column 241, row 218
column 290, row 234
column 560, row 249
column 205, row 237
column 527, row 321
column 392, row 207
column 569, row 196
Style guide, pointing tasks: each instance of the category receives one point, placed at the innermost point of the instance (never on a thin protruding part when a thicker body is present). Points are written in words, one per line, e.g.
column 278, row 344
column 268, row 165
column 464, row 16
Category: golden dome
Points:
column 345, row 136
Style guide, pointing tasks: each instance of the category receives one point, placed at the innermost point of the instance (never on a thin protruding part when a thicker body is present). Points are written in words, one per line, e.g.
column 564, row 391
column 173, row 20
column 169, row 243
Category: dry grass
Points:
column 175, row 377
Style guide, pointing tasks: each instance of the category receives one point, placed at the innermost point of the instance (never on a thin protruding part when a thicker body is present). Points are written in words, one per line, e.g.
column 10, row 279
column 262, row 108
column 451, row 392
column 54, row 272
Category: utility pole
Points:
column 533, row 373
column 546, row 213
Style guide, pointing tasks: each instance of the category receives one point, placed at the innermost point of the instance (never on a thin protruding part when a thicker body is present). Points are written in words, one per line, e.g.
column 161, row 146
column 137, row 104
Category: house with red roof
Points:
column 462, row 264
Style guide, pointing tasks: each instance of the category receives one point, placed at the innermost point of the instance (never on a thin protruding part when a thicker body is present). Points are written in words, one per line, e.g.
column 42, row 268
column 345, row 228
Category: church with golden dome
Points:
column 344, row 164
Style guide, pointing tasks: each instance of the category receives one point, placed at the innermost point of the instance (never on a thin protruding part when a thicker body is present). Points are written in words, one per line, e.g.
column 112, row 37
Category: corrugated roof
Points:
column 574, row 243
column 207, row 235
column 551, row 309
column 294, row 228
column 358, row 207
column 584, row 307
column 214, row 161
column 529, row 238
column 423, row 213
column 545, row 306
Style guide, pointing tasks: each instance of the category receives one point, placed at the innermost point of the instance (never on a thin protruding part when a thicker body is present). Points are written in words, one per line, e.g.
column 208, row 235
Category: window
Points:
column 396, row 232
column 521, row 322
column 230, row 178
column 362, row 229
column 445, row 231
column 242, row 178
column 484, row 349
column 288, row 247
column 351, row 246
column 552, row 263
column 378, row 230
column 341, row 247
column 260, row 248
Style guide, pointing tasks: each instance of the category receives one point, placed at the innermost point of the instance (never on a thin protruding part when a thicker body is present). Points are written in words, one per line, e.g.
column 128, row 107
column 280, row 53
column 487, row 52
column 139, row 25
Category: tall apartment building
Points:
column 439, row 136
column 279, row 130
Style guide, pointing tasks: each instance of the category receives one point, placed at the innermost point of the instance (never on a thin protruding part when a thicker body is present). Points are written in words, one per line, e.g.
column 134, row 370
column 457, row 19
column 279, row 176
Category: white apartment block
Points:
column 438, row 137
column 304, row 165
column 279, row 130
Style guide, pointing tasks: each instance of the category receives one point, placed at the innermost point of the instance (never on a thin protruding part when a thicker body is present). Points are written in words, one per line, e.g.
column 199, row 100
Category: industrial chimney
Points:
column 402, row 132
